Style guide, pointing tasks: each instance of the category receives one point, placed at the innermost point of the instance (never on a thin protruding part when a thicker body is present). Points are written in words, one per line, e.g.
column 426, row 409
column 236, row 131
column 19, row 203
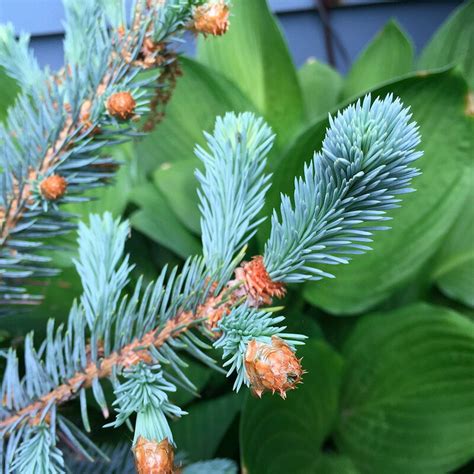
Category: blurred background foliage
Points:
column 390, row 359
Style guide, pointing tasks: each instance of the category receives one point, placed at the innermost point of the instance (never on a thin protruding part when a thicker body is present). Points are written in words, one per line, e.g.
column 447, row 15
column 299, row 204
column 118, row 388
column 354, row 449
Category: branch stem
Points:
column 207, row 314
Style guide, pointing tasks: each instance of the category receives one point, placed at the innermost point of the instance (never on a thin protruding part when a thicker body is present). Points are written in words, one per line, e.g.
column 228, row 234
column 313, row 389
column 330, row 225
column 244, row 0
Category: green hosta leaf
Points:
column 254, row 55
column 334, row 464
column 8, row 92
column 388, row 56
column 177, row 183
column 200, row 95
column 425, row 217
column 458, row 284
column 453, row 43
column 299, row 322
column 407, row 400
column 157, row 221
column 283, row 436
column 58, row 293
column 321, row 86
column 454, row 272
column 336, row 330
column 200, row 433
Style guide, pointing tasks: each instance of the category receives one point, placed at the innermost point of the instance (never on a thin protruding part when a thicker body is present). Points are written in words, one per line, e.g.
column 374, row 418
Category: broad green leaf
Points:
column 157, row 221
column 336, row 331
column 58, row 293
column 254, row 55
column 300, row 322
column 200, row 95
column 407, row 399
column 177, row 183
column 334, row 464
column 147, row 256
column 388, row 56
column 454, row 272
column 425, row 217
column 321, row 86
column 8, row 92
column 458, row 284
column 199, row 433
column 453, row 43
column 283, row 436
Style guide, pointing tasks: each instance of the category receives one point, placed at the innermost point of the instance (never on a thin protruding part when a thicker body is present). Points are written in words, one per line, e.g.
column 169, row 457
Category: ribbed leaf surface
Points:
column 407, row 400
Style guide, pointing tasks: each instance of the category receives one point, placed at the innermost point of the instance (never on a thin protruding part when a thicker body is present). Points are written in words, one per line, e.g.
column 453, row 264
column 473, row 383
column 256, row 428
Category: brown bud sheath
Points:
column 212, row 18
column 272, row 367
column 53, row 187
column 152, row 457
column 121, row 105
column 258, row 286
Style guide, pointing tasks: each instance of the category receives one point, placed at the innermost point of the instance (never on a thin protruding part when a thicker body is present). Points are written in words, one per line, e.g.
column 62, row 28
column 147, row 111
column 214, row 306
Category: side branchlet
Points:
column 55, row 138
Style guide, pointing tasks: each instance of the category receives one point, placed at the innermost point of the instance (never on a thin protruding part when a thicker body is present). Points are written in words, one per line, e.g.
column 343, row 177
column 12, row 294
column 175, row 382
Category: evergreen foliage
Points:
column 240, row 327
column 364, row 163
column 233, row 187
column 61, row 123
column 54, row 135
column 133, row 339
column 144, row 392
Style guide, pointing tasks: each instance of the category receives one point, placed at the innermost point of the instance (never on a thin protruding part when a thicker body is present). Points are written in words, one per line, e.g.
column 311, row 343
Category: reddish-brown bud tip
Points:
column 53, row 187
column 258, row 286
column 212, row 18
column 121, row 105
column 273, row 367
column 152, row 457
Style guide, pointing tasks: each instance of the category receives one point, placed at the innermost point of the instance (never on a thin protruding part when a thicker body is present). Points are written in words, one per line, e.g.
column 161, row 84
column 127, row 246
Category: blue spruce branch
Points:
column 135, row 341
column 51, row 145
column 364, row 164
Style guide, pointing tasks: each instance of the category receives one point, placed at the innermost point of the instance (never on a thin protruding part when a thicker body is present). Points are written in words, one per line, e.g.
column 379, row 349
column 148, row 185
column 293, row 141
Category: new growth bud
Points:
column 272, row 367
column 121, row 105
column 212, row 18
column 53, row 187
column 152, row 457
column 258, row 287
